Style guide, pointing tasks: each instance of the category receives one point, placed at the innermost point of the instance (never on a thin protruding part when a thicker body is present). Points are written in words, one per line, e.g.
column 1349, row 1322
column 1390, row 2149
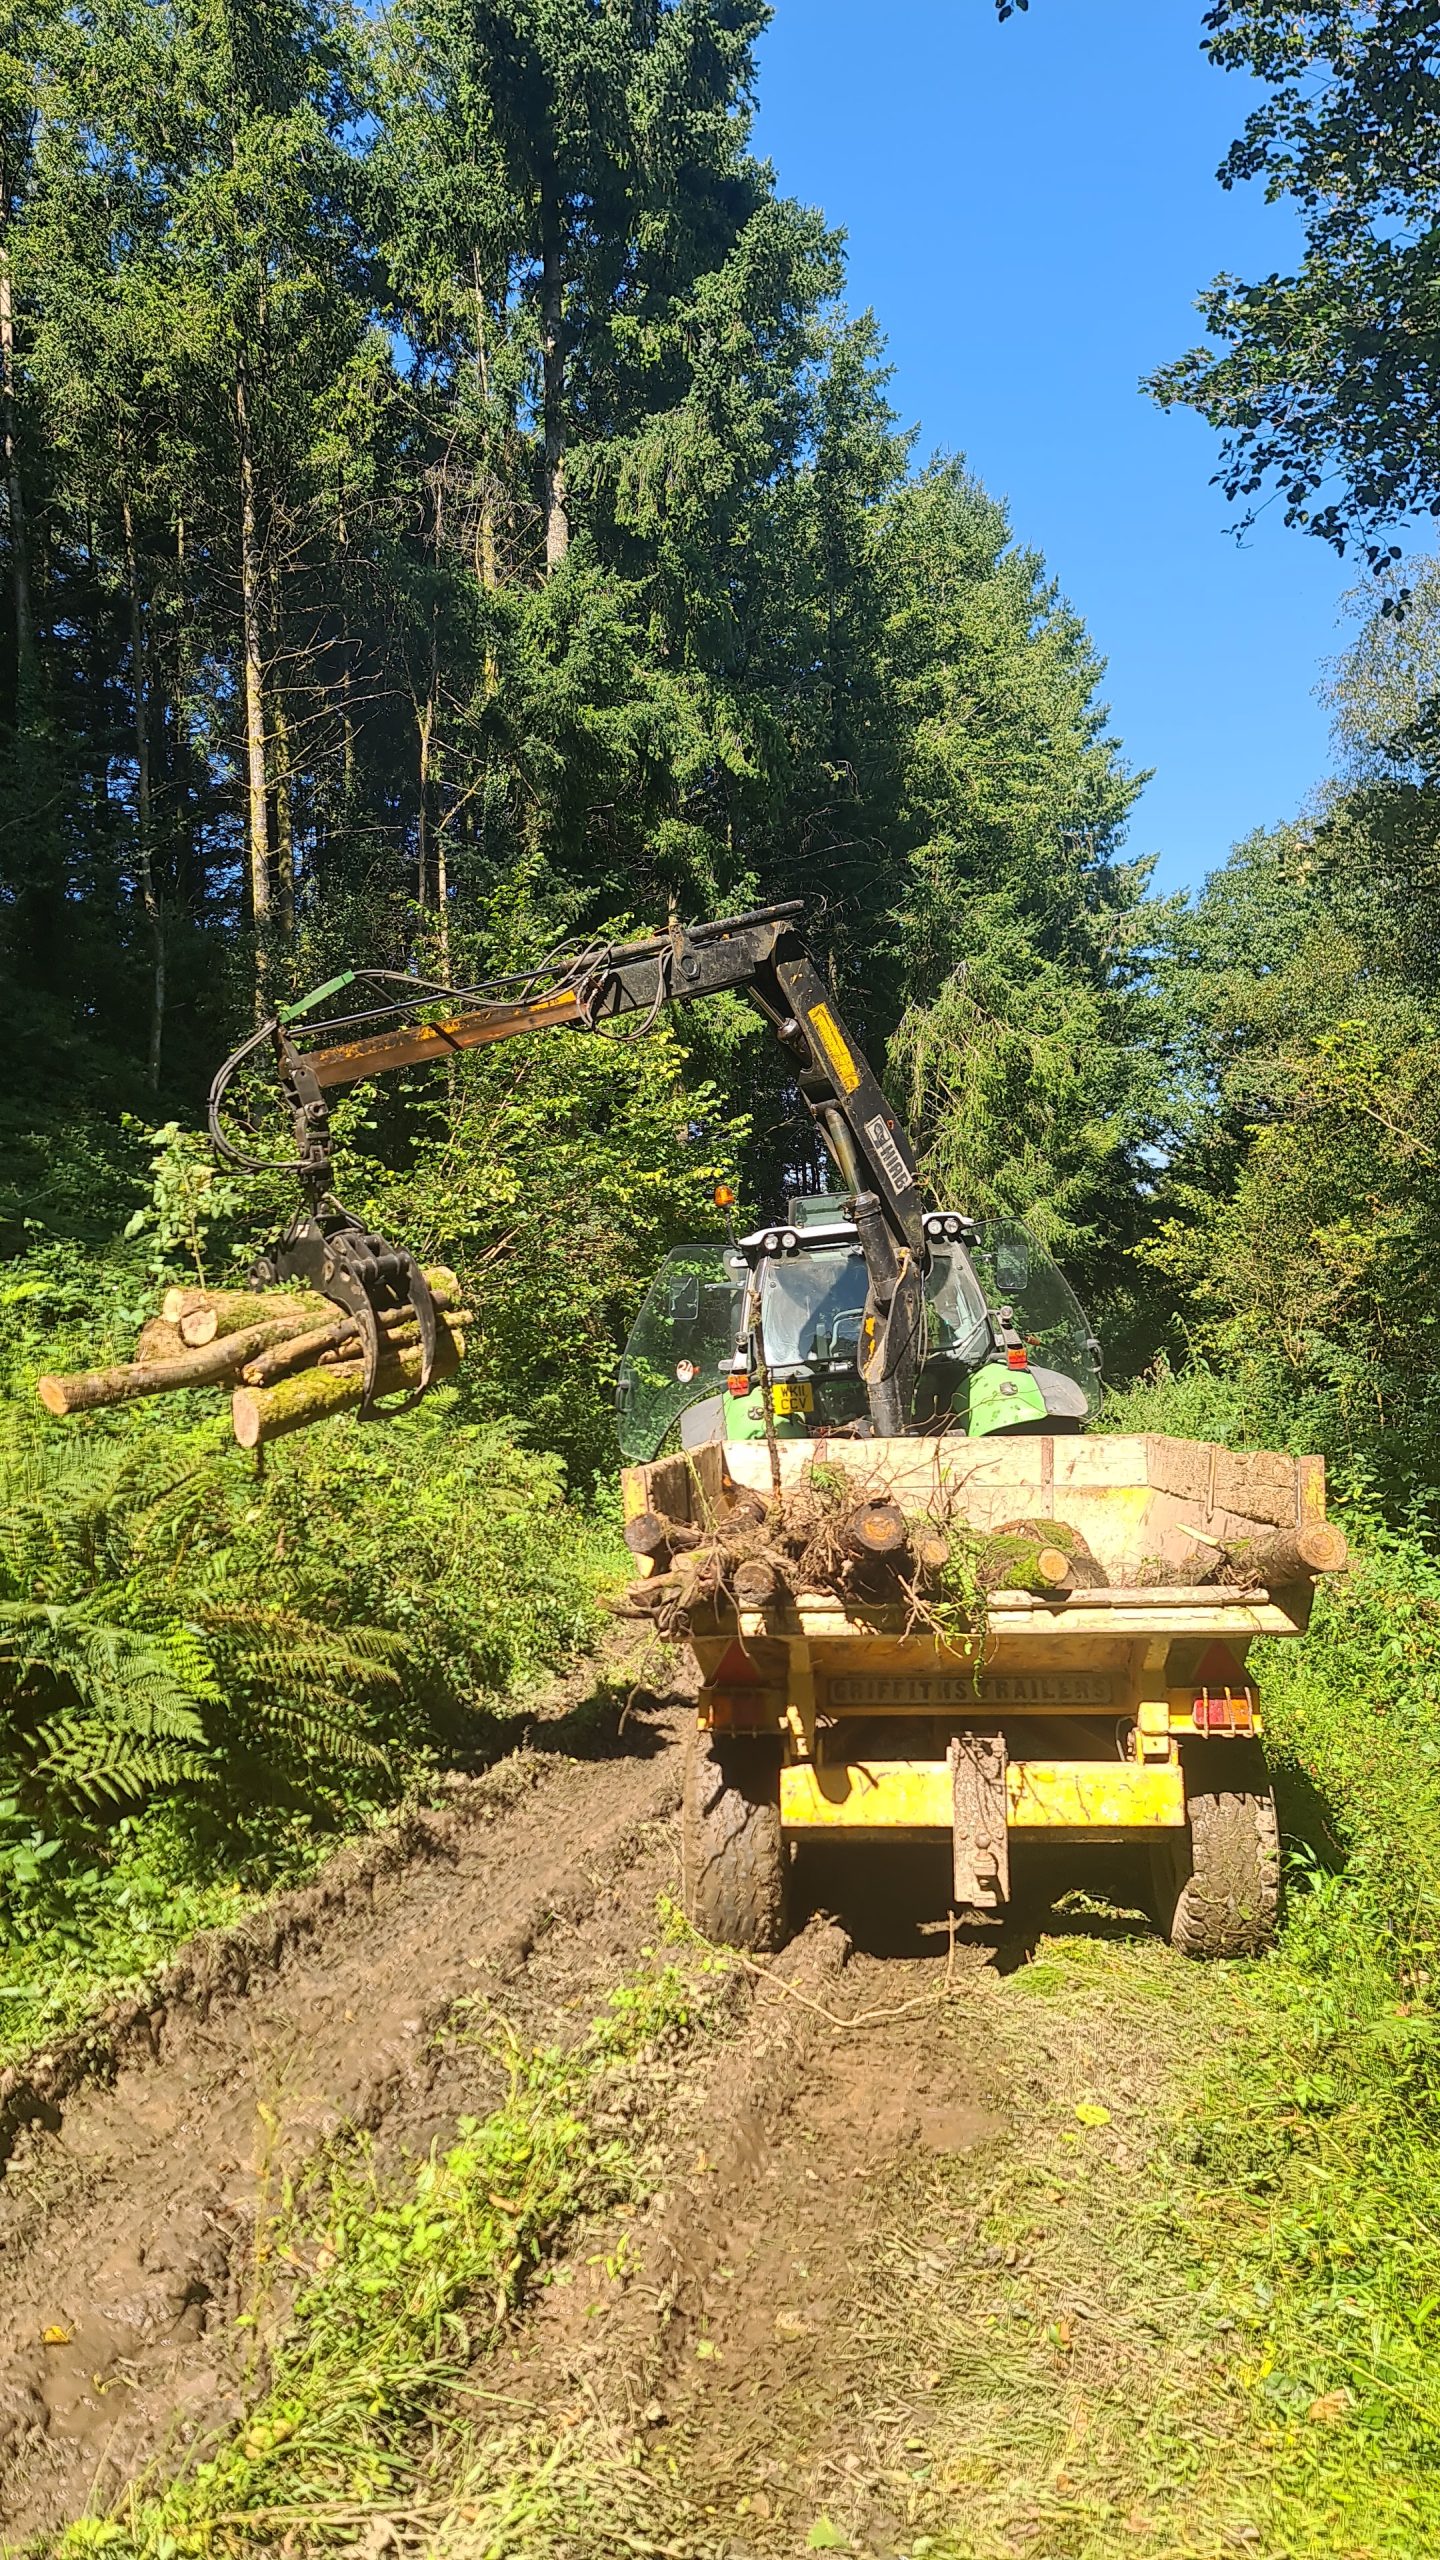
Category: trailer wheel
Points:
column 733, row 1858
column 1218, row 1891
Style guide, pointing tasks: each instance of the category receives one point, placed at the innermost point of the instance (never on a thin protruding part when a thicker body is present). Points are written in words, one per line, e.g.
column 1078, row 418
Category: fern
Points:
column 105, row 1710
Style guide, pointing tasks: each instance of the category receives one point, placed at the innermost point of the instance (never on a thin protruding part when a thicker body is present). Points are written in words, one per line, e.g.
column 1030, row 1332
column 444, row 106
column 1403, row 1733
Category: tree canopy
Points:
column 1324, row 382
column 448, row 505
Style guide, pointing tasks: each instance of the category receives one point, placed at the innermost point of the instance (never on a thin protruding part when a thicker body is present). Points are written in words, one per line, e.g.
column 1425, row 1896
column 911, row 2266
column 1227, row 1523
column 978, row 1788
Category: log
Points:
column 157, row 1340
column 1045, row 1554
column 648, row 1534
column 1289, row 1555
column 931, row 1550
column 338, row 1340
column 875, row 1531
column 262, row 1414
column 755, row 1583
column 205, row 1314
column 651, row 1534
column 202, row 1315
column 88, row 1388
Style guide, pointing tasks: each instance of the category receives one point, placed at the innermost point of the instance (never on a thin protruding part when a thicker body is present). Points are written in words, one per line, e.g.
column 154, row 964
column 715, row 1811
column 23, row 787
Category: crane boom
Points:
column 599, row 988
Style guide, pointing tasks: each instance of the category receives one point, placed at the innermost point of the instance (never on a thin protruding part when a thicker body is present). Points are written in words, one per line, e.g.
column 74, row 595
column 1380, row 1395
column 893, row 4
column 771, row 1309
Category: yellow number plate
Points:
column 794, row 1397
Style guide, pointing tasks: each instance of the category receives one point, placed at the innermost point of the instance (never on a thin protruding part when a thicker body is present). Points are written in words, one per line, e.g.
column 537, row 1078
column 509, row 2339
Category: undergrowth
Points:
column 1317, row 2130
column 209, row 1669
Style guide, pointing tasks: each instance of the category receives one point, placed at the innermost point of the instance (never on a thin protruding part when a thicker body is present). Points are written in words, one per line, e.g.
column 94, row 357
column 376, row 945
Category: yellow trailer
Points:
column 1125, row 1712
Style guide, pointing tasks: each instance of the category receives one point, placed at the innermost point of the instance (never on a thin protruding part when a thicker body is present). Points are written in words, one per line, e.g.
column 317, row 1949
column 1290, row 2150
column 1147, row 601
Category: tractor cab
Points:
column 1007, row 1346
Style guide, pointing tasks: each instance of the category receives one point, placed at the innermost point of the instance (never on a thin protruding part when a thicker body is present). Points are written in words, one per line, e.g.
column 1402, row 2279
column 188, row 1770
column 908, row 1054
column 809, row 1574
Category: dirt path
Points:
column 903, row 2284
column 912, row 2287
column 127, row 2216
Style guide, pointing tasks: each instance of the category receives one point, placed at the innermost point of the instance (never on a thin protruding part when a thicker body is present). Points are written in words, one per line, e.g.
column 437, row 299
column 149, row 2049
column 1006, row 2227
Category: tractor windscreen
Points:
column 1018, row 1273
column 680, row 1345
column 812, row 1306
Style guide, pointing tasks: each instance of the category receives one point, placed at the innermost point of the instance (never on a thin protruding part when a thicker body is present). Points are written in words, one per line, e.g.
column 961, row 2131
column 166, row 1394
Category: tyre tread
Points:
column 1230, row 1903
column 732, row 1852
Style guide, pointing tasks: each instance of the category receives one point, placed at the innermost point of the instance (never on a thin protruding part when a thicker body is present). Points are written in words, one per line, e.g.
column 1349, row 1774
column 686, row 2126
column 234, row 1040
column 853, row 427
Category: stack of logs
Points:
column 289, row 1356
column 861, row 1547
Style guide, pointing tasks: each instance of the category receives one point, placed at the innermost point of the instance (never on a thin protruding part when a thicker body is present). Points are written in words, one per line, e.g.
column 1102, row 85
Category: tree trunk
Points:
column 284, row 823
column 251, row 628
column 424, row 721
column 14, row 493
column 552, row 350
column 144, row 837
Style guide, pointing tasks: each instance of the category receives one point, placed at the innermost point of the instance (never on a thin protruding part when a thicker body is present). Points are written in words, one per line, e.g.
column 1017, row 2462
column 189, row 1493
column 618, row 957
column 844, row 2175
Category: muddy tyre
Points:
column 734, row 1864
column 1218, row 1892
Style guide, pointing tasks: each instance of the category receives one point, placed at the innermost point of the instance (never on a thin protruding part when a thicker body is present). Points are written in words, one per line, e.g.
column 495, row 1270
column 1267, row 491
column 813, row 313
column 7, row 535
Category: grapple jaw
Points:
column 330, row 1251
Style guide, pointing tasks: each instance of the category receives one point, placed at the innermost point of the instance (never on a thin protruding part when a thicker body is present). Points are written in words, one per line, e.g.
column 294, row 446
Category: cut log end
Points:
column 874, row 1530
column 756, row 1583
column 647, row 1534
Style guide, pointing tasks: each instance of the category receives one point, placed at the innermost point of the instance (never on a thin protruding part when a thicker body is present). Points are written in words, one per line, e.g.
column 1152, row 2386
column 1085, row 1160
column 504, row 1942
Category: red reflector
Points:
column 736, row 1669
column 1017, row 1359
column 1217, row 1668
column 742, row 1708
column 1224, row 1715
column 739, row 1385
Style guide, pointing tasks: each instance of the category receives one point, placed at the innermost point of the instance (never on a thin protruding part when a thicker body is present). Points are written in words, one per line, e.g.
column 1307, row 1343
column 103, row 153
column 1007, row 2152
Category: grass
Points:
column 403, row 2285
column 111, row 1918
column 1188, row 2302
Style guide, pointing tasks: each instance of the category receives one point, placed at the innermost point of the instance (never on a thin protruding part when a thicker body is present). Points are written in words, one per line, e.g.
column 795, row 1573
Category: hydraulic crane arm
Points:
column 619, row 991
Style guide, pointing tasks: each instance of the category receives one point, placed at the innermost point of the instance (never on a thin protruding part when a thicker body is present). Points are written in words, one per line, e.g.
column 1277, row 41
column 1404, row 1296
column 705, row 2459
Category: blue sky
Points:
column 1031, row 210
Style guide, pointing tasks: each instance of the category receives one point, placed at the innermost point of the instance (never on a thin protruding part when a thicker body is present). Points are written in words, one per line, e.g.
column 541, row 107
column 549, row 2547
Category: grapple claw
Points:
column 426, row 1319
column 333, row 1253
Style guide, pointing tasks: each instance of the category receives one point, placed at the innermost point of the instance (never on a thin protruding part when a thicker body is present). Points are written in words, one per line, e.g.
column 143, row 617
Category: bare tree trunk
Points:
column 347, row 708
column 14, row 493
column 144, row 831
column 442, row 892
column 284, row 821
column 251, row 627
column 281, row 788
column 424, row 720
column 486, row 569
column 552, row 349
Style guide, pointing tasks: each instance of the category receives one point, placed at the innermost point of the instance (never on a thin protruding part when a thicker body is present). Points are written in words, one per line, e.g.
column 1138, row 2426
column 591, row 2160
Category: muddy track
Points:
column 141, row 2156
column 712, row 2370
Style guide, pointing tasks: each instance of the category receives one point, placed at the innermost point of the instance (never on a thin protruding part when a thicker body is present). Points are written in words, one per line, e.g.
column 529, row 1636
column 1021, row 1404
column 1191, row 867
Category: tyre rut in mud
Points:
column 128, row 2215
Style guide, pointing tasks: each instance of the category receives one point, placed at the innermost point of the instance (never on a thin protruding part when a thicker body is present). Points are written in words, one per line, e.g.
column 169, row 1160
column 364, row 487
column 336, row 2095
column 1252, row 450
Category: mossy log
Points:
column 262, row 1414
column 1040, row 1555
column 337, row 1341
column 204, row 1315
column 1285, row 1557
column 201, row 1316
column 82, row 1392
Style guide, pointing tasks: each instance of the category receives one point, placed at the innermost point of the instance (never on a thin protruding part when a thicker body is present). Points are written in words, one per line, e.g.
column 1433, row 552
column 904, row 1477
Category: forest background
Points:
column 447, row 507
